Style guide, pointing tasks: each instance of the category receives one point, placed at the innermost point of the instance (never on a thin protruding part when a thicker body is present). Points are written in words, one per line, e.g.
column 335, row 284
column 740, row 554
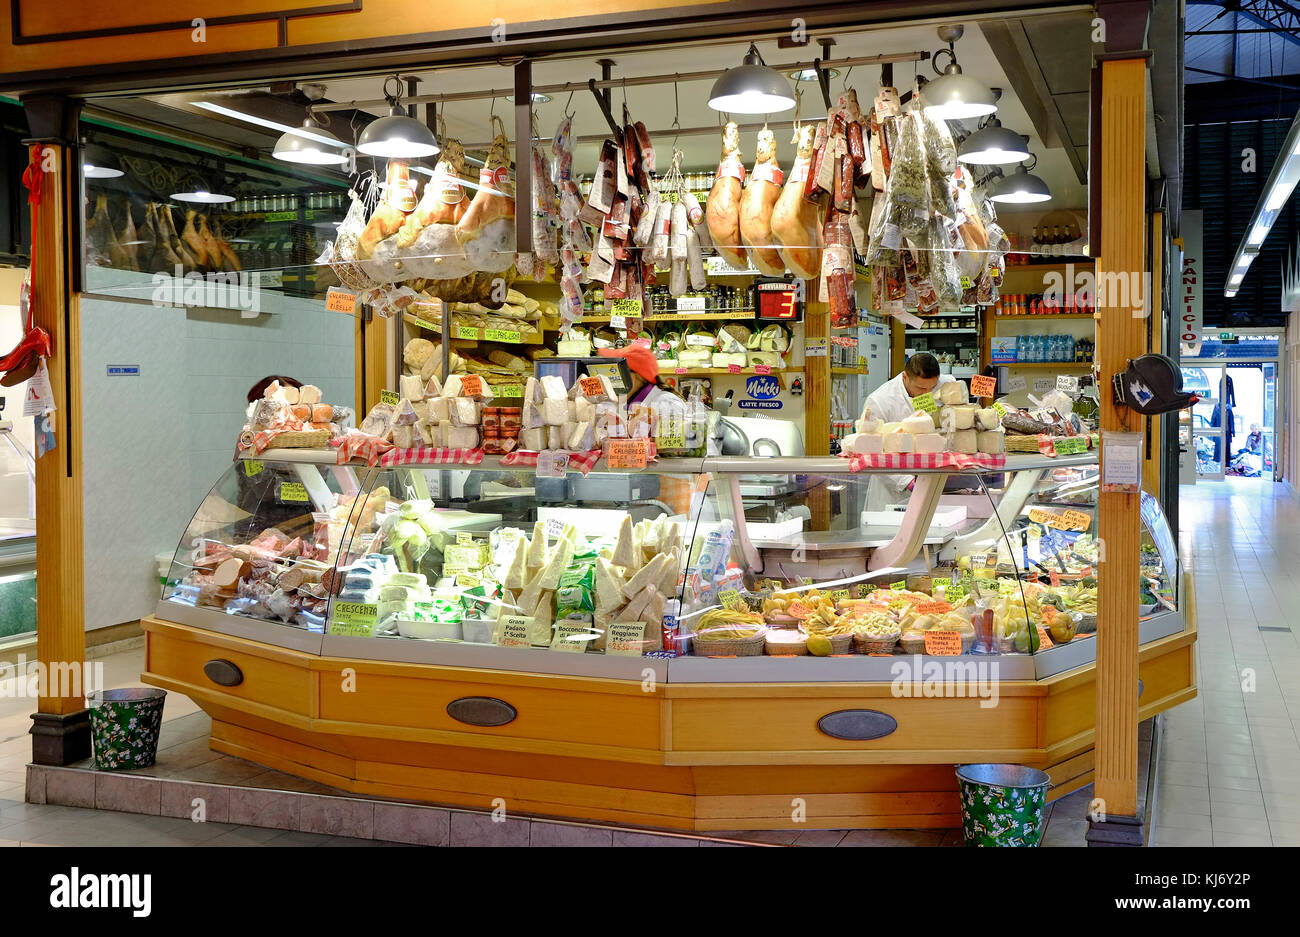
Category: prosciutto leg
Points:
column 722, row 212
column 756, row 205
column 797, row 222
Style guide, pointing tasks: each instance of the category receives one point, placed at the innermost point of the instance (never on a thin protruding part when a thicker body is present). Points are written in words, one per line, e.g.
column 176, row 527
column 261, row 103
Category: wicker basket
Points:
column 779, row 648
column 300, row 439
column 865, row 643
column 729, row 647
column 840, row 643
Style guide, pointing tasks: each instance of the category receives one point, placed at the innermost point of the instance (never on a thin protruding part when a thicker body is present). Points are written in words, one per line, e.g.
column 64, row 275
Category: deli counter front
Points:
column 691, row 645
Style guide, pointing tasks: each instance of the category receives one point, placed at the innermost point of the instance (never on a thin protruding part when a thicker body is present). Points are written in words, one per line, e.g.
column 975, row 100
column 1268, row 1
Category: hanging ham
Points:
column 756, row 205
column 444, row 200
column 797, row 222
column 194, row 241
column 722, row 211
column 390, row 213
column 495, row 198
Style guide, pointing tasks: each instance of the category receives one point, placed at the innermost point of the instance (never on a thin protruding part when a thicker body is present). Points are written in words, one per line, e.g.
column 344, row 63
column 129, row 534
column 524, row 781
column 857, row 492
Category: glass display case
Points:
column 711, row 567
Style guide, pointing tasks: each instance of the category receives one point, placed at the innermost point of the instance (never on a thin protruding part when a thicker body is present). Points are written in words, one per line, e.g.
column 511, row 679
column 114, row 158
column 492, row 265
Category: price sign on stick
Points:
column 982, row 385
column 943, row 643
column 627, row 453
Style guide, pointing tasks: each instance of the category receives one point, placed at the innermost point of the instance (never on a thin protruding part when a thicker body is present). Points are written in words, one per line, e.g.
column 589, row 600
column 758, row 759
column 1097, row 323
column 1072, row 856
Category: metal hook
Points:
column 846, row 77
column 392, row 98
column 568, row 113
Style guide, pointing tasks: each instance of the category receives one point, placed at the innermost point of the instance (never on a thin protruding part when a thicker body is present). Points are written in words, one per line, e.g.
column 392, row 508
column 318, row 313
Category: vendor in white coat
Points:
column 891, row 402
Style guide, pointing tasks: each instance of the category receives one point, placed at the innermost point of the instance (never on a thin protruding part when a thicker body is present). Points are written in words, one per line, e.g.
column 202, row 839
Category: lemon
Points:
column 819, row 645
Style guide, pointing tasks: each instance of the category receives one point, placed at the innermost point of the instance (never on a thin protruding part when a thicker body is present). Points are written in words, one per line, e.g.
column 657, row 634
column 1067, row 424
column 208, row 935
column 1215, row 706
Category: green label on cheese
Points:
column 999, row 409
column 900, row 586
column 388, row 396
column 353, row 618
column 925, row 402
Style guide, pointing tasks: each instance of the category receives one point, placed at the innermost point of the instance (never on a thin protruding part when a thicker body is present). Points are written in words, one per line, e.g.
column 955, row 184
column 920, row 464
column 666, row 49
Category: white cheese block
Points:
column 623, row 547
column 986, row 418
column 555, row 437
column 993, row 442
column 532, row 416
column 930, row 442
column 918, row 422
column 869, row 444
column 888, row 428
column 532, row 389
column 555, row 412
column 966, row 441
column 439, row 409
column 584, row 411
column 310, row 394
column 848, row 442
column 555, row 565
column 452, row 387
column 869, row 426
column 537, row 546
column 533, row 439
column 429, row 435
column 965, row 416
column 465, row 411
column 462, row 437
column 951, row 392
column 421, row 408
column 403, row 438
column 553, row 388
column 411, row 387
column 517, row 573
column 649, row 573
column 485, row 393
column 582, row 439
column 899, row 442
column 608, row 385
column 635, row 604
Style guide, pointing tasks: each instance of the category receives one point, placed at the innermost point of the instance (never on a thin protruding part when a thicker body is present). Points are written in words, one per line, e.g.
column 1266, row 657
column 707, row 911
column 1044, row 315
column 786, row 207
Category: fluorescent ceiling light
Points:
column 1279, row 197
column 1229, row 293
column 1281, row 182
column 1258, row 234
column 1235, row 279
column 325, row 139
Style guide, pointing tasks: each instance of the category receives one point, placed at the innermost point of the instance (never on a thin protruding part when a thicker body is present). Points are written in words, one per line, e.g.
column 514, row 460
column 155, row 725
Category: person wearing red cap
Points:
column 646, row 387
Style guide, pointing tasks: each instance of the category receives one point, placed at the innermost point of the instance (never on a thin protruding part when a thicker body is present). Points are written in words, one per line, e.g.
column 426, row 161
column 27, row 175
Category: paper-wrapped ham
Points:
column 437, row 255
column 444, row 200
column 722, row 211
column 756, row 205
column 390, row 214
column 797, row 222
column 495, row 198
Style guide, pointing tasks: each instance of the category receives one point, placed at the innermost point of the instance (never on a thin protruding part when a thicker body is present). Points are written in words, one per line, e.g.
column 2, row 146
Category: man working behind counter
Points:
column 891, row 402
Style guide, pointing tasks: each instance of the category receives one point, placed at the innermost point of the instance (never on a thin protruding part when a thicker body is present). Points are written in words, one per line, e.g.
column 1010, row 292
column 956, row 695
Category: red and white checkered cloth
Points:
column 357, row 445
column 424, row 455
column 905, row 461
column 527, row 458
column 259, row 440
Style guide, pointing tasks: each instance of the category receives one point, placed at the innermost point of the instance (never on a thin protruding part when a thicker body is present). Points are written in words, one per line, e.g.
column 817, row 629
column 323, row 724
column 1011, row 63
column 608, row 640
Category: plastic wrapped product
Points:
column 695, row 261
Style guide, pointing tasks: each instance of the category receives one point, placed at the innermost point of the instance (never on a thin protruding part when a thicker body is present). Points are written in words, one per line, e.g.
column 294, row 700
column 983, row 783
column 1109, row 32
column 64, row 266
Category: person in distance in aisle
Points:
column 892, row 401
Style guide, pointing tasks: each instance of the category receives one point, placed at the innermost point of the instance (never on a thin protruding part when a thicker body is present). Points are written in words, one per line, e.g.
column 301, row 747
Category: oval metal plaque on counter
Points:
column 481, row 711
column 223, row 672
column 857, row 725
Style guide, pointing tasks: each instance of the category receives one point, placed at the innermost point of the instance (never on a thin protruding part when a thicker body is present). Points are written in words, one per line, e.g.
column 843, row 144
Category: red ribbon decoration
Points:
column 35, row 340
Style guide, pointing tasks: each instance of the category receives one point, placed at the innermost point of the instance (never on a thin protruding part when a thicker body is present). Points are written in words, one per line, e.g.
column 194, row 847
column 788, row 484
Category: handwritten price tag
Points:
column 293, row 492
column 733, row 369
column 468, row 333
column 626, row 307
column 353, row 618
column 679, row 370
column 925, row 402
column 618, row 323
column 900, row 586
column 572, row 637
column 512, row 631
column 731, row 599
column 501, row 335
column 388, row 396
column 943, row 643
column 1044, row 639
column 799, row 610
column 1077, row 520
column 762, row 369
column 982, row 385
column 339, row 301
column 591, row 386
column 626, row 639
column 932, row 608
column 471, row 385
column 627, row 453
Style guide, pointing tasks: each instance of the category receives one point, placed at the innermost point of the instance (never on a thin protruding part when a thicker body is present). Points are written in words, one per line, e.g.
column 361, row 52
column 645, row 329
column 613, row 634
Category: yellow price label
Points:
column 900, row 586
column 626, row 307
column 508, row 390
column 253, row 468
column 839, row 595
column 501, row 335
column 294, row 491
column 731, row 599
column 353, row 618
column 925, row 402
column 388, row 396
column 466, row 332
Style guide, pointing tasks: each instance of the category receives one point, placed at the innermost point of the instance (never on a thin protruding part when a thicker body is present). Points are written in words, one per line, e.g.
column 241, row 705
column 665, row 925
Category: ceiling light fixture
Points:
column 810, row 74
column 953, row 95
column 304, row 145
column 537, row 98
column 751, row 88
column 1021, row 188
column 396, row 136
column 98, row 163
column 994, row 145
column 1273, row 198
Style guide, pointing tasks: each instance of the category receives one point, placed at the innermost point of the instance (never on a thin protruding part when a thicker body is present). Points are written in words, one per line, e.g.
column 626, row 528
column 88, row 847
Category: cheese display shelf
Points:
column 687, row 645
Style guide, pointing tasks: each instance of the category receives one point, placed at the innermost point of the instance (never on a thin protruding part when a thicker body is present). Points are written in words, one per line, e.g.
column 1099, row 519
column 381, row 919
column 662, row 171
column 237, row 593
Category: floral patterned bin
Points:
column 1002, row 805
column 124, row 726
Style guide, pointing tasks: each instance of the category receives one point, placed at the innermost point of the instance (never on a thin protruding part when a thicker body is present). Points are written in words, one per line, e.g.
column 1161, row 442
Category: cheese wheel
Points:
column 899, row 442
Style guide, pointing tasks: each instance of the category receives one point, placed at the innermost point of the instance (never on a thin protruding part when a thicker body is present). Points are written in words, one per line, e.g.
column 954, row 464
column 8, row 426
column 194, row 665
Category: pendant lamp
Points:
column 311, row 144
column 396, row 136
column 954, row 95
column 993, row 145
column 1021, row 187
column 751, row 88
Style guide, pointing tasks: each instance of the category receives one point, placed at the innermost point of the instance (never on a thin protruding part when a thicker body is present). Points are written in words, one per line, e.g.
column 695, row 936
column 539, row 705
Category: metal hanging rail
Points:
column 886, row 59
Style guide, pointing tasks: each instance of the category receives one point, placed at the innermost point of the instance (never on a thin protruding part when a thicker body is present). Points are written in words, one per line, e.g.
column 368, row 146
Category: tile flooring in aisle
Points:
column 1230, row 762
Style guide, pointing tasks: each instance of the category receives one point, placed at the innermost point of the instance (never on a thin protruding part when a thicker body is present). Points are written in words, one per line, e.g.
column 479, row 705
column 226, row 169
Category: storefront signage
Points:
column 1190, row 277
column 355, row 619
column 759, row 405
column 762, row 387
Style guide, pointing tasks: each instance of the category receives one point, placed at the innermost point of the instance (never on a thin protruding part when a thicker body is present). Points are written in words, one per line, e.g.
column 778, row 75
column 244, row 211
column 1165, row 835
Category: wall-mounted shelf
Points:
column 461, row 333
column 1047, row 316
column 1045, row 364
column 970, row 331
column 747, row 371
column 858, row 371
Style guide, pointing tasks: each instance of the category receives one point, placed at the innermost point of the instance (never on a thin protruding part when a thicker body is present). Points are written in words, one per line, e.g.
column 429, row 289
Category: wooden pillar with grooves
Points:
column 1121, row 335
column 1153, row 457
column 372, row 357
column 60, row 729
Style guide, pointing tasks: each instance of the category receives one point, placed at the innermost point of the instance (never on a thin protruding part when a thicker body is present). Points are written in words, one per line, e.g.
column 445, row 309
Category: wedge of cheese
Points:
column 410, row 387
column 537, row 547
column 636, row 604
column 558, row 561
column 433, row 388
column 465, row 411
column 609, row 587
column 667, row 584
column 517, row 572
column 624, row 546
column 310, row 394
column 439, row 409
column 451, row 387
column 553, row 388
column 918, row 422
column 650, row 573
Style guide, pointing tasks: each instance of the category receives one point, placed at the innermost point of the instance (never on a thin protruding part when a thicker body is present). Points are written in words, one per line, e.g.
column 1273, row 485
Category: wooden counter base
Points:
column 685, row 757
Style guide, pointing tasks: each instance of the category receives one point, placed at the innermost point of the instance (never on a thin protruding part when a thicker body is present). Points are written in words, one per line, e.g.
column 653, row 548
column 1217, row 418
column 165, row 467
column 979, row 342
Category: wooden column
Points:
column 1154, row 455
column 372, row 358
column 817, row 405
column 1120, row 336
column 61, row 726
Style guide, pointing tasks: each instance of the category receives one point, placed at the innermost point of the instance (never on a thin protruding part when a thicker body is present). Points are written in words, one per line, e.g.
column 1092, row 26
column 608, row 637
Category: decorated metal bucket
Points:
column 1002, row 805
column 124, row 726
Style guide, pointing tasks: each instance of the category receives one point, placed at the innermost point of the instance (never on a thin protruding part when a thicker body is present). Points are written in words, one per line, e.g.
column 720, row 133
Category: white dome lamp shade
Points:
column 751, row 88
column 312, row 145
column 397, row 136
column 993, row 145
column 1020, row 188
column 198, row 190
column 100, row 164
column 954, row 95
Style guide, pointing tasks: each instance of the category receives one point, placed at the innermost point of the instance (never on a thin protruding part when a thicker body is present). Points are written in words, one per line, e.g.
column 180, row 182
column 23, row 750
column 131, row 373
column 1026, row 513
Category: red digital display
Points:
column 779, row 303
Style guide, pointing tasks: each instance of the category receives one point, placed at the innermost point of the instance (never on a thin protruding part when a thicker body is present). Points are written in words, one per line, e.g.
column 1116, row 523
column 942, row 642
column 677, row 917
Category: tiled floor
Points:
column 1230, row 760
